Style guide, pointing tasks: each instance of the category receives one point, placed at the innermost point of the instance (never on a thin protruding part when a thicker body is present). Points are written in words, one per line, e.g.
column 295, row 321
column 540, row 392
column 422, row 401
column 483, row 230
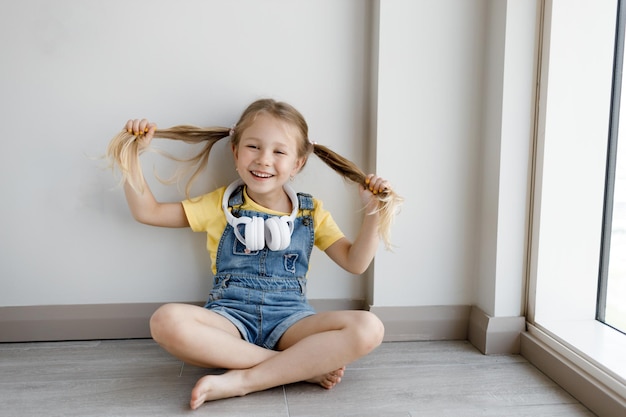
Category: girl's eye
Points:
column 281, row 152
column 252, row 146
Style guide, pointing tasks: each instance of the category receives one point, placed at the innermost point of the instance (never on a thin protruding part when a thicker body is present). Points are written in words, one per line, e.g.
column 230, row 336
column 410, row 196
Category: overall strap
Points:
column 236, row 199
column 305, row 201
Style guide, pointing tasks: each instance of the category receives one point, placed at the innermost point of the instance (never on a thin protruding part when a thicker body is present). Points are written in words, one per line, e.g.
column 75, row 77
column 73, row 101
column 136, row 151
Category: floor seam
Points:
column 286, row 401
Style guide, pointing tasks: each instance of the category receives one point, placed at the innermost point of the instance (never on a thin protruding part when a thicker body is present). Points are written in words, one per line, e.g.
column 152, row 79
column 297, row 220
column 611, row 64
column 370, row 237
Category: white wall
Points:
column 508, row 120
column 429, row 136
column 455, row 117
column 73, row 72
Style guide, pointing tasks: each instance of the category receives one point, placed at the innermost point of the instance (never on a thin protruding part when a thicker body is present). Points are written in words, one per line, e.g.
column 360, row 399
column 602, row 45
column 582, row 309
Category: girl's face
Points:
column 267, row 155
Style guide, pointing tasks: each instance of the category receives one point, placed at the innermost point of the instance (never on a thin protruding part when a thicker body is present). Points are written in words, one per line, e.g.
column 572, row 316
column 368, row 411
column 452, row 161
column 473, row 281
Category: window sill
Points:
column 594, row 347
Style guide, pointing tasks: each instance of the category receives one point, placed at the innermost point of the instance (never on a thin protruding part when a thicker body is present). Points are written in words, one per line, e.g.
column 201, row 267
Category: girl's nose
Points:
column 264, row 157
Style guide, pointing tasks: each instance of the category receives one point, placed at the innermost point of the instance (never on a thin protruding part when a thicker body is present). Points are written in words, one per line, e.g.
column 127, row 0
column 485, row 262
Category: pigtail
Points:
column 123, row 153
column 124, row 150
column 388, row 201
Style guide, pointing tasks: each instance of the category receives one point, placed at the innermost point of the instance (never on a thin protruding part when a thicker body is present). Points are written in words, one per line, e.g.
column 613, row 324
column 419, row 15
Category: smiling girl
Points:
column 257, row 322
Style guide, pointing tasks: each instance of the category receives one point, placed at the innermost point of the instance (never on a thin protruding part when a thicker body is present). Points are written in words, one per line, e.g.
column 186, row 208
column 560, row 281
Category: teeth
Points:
column 261, row 174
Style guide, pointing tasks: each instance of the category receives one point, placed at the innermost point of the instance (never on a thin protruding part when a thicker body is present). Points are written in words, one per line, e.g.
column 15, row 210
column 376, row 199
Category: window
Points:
column 576, row 88
column 611, row 309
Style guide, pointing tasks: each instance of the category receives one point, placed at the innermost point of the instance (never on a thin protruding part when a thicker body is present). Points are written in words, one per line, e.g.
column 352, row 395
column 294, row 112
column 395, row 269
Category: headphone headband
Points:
column 235, row 221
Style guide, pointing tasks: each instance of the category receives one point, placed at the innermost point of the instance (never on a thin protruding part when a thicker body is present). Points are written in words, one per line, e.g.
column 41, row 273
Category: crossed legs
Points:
column 314, row 349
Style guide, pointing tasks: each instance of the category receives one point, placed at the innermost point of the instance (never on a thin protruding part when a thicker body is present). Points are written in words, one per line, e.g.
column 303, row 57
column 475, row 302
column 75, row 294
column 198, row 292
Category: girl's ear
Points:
column 298, row 165
column 235, row 153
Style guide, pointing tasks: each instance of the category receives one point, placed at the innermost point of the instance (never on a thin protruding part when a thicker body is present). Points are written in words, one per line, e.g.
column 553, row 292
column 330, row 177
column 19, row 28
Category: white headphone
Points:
column 275, row 231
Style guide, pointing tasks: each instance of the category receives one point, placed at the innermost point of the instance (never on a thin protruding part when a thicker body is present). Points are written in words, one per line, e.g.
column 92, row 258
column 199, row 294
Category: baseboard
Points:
column 129, row 321
column 495, row 335
column 100, row 321
column 333, row 304
column 75, row 322
column 594, row 394
column 415, row 323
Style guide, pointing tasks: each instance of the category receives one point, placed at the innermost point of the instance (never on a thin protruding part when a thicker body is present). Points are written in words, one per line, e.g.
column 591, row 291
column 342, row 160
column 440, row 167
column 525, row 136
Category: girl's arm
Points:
column 147, row 210
column 356, row 256
column 144, row 207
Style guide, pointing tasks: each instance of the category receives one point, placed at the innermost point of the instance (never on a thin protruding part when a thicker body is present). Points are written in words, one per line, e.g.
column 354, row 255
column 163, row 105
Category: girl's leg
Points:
column 313, row 346
column 203, row 338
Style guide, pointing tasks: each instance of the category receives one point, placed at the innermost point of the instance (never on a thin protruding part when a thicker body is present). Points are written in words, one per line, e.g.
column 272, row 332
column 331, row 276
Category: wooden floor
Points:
column 410, row 379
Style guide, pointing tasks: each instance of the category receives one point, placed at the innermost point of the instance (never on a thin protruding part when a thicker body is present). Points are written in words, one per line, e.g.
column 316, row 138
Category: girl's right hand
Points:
column 143, row 129
column 375, row 185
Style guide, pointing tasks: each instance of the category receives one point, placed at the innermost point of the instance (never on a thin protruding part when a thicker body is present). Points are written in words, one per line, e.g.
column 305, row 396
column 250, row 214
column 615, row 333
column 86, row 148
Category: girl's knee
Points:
column 377, row 328
column 161, row 321
column 370, row 330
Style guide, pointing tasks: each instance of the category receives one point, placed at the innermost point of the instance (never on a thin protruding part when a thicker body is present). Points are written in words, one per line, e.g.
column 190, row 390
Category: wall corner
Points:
column 495, row 335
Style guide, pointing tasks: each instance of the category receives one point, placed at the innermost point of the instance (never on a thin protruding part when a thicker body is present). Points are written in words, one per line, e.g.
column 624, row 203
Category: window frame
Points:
column 611, row 163
column 570, row 154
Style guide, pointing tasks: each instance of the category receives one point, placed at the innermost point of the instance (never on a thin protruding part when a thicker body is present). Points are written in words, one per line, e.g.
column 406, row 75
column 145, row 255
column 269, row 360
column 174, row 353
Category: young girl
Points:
column 257, row 322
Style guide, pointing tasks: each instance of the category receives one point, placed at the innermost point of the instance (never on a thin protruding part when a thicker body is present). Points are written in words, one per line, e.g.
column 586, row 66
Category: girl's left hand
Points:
column 375, row 185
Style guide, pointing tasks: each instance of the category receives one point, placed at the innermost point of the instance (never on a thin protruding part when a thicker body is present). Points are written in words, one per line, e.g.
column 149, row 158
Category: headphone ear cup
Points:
column 255, row 234
column 277, row 234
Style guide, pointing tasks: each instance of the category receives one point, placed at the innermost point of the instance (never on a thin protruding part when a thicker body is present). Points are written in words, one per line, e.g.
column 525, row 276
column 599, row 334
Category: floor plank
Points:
column 407, row 379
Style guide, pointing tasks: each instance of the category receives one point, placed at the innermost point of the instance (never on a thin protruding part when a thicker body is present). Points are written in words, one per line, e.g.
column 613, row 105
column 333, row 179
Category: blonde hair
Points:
column 124, row 150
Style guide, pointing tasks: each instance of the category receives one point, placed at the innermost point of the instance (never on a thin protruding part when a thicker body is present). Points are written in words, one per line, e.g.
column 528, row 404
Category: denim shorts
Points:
column 262, row 308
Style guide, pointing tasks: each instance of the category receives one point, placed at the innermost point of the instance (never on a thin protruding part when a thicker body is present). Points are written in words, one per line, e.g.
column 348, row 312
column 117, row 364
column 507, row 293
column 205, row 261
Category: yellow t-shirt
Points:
column 205, row 215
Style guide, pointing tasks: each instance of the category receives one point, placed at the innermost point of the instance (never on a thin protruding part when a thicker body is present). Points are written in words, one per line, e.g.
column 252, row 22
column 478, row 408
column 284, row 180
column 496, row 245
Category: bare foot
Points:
column 216, row 387
column 330, row 379
column 231, row 384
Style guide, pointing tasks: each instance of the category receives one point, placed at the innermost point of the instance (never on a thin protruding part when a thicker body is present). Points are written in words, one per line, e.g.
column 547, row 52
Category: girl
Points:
column 257, row 322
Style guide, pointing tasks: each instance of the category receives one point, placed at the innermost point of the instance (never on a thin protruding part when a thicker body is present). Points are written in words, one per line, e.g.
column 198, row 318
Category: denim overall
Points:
column 263, row 292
